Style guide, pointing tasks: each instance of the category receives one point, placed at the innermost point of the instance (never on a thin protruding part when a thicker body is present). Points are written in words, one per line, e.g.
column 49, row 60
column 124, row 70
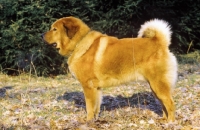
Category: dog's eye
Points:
column 54, row 29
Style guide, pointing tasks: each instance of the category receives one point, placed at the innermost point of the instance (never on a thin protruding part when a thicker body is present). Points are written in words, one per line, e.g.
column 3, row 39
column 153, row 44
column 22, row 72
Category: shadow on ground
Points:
column 3, row 90
column 144, row 100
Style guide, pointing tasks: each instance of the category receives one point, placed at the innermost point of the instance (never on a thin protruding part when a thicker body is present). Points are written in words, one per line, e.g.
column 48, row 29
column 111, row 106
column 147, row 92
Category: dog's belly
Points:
column 107, row 80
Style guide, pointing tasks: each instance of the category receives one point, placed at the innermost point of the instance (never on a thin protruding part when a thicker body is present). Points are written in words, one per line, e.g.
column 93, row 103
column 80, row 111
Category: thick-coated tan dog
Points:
column 99, row 61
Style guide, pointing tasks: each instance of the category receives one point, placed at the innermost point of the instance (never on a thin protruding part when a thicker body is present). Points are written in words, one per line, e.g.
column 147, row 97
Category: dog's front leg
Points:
column 93, row 102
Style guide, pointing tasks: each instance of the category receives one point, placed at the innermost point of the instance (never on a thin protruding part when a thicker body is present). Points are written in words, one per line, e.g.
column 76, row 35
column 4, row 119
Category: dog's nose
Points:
column 42, row 35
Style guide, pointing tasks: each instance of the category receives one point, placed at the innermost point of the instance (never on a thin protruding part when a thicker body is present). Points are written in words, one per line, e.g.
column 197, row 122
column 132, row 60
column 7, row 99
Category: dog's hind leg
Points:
column 162, row 90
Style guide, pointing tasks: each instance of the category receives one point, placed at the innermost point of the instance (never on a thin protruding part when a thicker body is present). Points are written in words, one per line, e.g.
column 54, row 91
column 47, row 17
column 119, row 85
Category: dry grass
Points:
column 39, row 103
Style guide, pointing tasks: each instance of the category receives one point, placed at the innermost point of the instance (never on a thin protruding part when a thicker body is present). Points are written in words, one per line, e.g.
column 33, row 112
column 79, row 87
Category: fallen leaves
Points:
column 58, row 103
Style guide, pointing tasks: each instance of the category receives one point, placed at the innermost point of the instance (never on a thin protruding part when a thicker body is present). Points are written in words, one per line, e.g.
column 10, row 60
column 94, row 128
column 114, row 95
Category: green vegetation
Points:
column 190, row 58
column 23, row 21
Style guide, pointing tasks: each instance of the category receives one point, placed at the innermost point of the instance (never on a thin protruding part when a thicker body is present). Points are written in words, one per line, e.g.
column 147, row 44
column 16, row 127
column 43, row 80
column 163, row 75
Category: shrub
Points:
column 23, row 21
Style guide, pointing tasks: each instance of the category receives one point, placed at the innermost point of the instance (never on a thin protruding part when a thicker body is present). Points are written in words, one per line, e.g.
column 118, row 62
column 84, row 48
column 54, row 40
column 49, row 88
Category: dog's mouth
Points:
column 54, row 44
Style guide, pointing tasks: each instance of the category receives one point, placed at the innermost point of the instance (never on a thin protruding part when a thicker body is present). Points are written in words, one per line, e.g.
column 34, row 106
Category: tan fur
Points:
column 98, row 61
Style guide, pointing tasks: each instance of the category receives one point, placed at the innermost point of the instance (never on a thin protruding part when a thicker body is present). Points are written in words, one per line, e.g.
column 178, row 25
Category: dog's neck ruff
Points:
column 77, row 43
column 83, row 45
column 77, row 48
column 82, row 39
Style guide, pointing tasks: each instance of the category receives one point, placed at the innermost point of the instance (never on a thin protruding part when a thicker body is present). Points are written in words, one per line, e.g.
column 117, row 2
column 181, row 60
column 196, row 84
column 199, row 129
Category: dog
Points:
column 98, row 60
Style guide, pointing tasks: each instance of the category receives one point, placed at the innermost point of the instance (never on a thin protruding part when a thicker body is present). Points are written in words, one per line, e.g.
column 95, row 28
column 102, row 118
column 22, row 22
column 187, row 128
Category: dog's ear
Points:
column 70, row 27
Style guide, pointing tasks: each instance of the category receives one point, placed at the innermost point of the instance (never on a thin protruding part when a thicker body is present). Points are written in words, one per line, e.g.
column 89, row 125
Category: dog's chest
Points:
column 72, row 71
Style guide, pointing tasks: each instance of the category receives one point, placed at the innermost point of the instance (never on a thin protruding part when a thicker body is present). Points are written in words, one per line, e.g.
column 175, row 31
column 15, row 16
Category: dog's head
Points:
column 65, row 33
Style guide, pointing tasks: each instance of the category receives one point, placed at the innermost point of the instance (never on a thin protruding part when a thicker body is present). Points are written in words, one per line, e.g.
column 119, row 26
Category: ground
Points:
column 31, row 102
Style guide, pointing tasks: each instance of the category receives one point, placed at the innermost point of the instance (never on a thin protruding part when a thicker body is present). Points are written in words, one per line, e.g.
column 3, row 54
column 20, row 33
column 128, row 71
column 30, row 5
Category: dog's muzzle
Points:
column 51, row 44
column 54, row 45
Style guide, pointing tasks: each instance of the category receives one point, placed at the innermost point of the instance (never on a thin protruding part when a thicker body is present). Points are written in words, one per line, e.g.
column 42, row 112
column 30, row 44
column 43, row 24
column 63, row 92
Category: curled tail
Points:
column 157, row 29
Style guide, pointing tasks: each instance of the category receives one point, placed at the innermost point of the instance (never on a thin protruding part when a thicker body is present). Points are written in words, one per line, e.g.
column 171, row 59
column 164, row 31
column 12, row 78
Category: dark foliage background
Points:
column 23, row 21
